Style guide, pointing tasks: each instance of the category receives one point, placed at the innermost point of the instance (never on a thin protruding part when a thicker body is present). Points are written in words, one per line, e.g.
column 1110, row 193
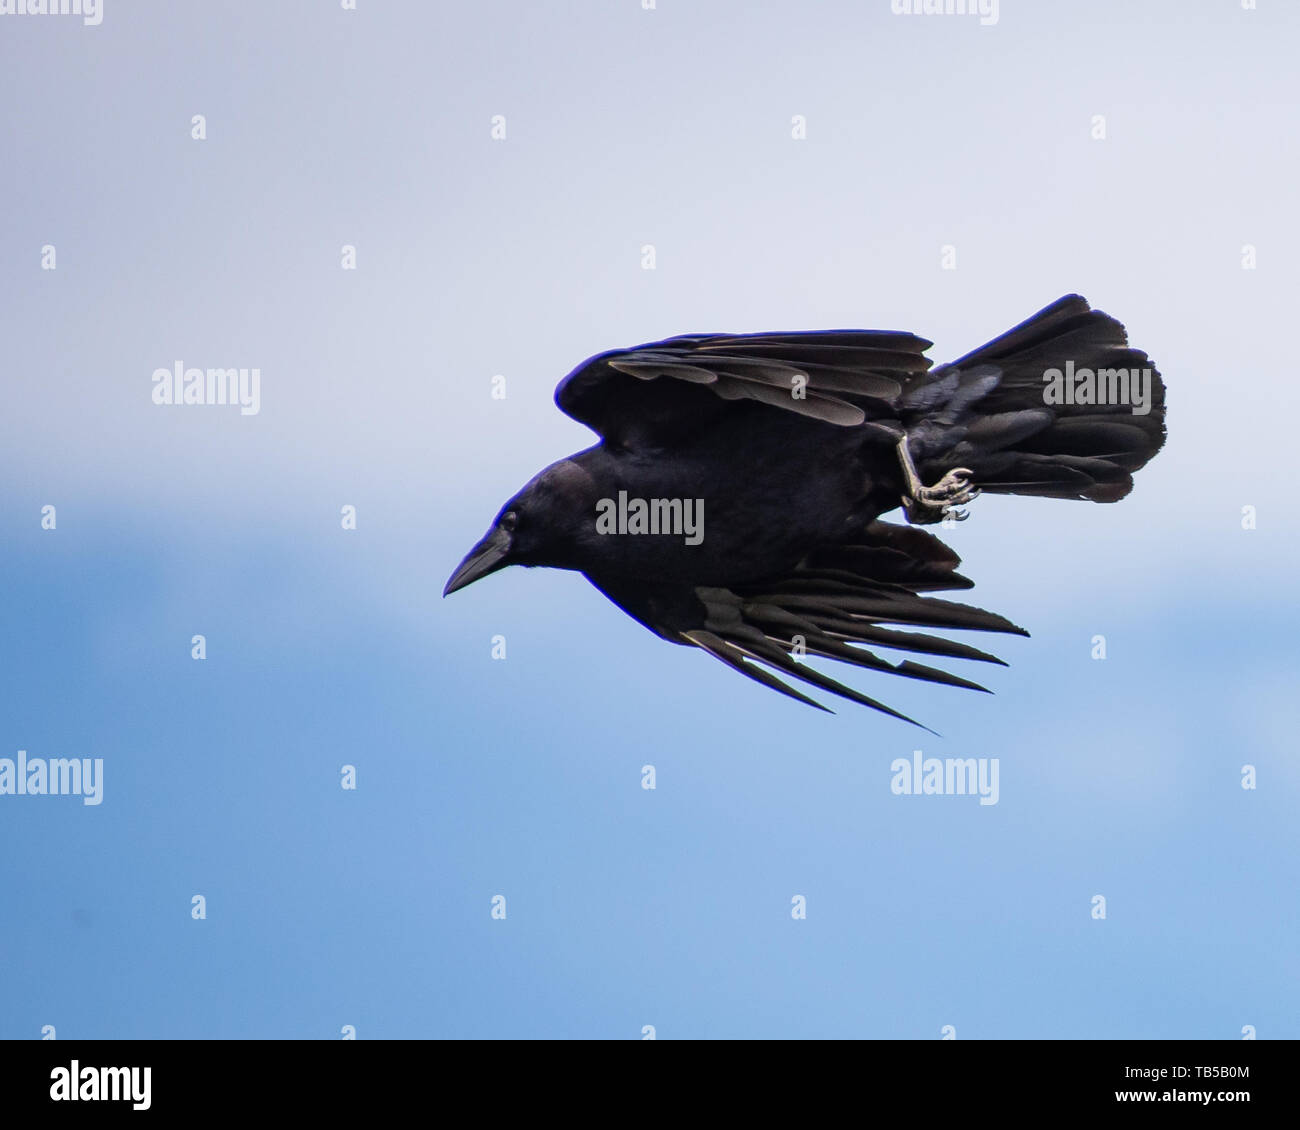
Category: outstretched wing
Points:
column 657, row 393
column 836, row 600
column 988, row 410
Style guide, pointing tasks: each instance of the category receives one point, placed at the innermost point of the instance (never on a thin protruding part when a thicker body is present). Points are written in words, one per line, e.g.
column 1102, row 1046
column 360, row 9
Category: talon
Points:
column 927, row 505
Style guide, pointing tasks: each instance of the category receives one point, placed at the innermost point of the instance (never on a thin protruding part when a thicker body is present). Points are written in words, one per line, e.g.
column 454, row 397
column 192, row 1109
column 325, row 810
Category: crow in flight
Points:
column 734, row 499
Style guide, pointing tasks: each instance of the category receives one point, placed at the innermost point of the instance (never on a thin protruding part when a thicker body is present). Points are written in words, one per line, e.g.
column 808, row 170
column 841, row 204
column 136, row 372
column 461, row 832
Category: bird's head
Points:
column 541, row 525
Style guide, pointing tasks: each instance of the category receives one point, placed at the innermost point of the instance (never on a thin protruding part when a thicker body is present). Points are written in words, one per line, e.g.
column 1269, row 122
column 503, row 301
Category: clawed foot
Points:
column 926, row 506
column 941, row 501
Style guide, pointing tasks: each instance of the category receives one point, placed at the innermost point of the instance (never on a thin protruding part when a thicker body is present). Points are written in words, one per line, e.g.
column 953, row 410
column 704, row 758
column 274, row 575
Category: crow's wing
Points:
column 657, row 393
column 837, row 598
column 988, row 410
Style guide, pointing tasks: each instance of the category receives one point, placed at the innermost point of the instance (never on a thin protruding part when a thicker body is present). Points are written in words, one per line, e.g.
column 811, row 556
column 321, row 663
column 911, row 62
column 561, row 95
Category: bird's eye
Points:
column 509, row 520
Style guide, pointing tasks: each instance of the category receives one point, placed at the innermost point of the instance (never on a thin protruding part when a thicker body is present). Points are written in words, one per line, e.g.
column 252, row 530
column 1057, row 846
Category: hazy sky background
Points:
column 522, row 777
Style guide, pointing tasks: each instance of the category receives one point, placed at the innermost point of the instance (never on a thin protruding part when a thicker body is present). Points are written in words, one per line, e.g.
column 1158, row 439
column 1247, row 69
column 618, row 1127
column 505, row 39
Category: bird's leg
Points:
column 924, row 506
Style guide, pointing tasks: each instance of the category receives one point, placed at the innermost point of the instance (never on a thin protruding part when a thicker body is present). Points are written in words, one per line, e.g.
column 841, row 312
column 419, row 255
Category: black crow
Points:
column 734, row 499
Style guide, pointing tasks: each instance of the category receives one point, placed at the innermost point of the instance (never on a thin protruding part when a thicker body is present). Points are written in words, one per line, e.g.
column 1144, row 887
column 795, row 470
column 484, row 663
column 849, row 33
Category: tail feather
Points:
column 1073, row 412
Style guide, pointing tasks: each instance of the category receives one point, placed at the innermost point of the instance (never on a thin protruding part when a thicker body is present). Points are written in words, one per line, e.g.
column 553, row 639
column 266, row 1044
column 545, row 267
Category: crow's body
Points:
column 812, row 475
column 792, row 446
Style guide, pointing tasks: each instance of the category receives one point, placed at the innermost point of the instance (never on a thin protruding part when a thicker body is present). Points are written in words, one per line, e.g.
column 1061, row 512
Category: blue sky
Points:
column 521, row 777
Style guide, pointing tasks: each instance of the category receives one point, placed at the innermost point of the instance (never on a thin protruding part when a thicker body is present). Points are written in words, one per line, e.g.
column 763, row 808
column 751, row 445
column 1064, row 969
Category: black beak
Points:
column 487, row 557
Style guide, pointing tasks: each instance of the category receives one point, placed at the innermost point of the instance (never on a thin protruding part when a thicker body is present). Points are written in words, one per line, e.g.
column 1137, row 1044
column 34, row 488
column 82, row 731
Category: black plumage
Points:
column 792, row 445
